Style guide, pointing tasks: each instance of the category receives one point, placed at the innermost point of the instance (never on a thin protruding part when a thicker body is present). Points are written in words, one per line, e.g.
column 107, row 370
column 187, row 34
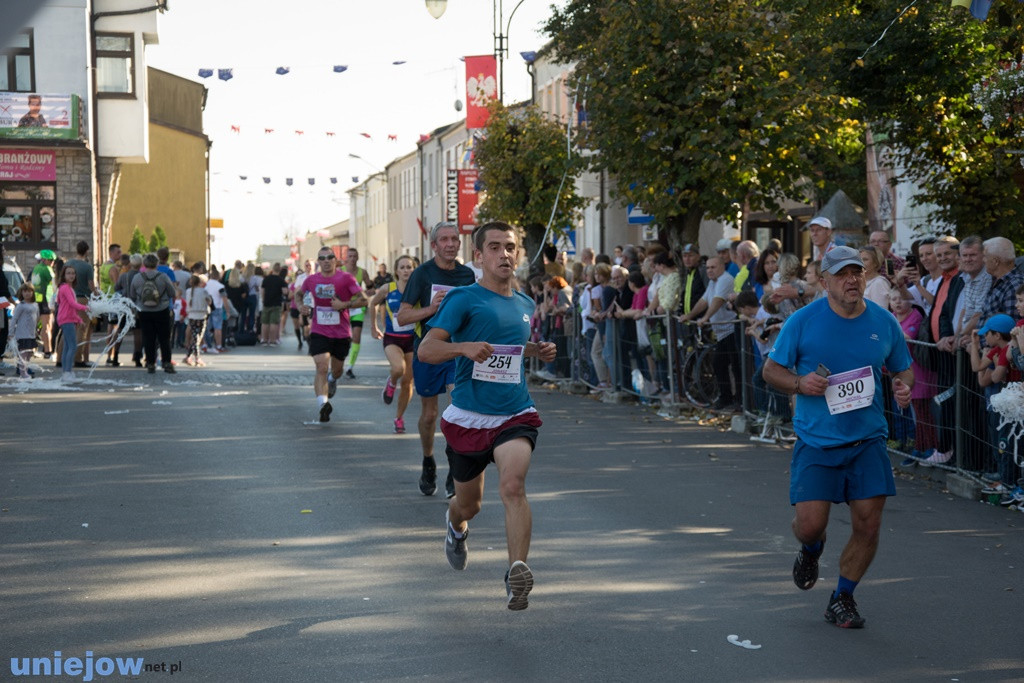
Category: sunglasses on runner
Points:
column 329, row 257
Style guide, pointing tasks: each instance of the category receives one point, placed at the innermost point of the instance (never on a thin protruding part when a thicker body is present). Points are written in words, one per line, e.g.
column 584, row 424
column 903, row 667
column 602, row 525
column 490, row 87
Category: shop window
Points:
column 17, row 66
column 28, row 216
column 115, row 64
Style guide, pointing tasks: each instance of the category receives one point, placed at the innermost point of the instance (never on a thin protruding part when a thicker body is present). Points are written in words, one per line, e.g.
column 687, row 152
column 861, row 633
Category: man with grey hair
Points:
column 1007, row 276
column 747, row 254
column 423, row 295
column 153, row 292
column 960, row 314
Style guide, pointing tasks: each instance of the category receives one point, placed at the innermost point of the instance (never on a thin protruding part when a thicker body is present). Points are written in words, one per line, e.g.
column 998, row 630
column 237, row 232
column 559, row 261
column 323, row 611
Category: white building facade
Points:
column 73, row 84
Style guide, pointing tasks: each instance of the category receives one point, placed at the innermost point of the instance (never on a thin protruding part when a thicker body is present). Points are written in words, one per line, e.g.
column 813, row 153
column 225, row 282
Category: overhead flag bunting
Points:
column 340, row 68
column 225, row 74
column 334, row 181
column 282, row 70
column 355, row 179
column 288, row 182
column 312, row 181
column 243, row 177
column 205, row 73
column 399, row 62
column 266, row 180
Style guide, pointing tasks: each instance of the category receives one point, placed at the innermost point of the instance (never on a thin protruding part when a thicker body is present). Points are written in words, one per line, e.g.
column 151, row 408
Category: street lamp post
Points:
column 437, row 8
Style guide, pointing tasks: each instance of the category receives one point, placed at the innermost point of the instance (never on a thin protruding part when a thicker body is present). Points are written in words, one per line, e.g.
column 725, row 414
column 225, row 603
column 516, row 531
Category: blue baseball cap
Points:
column 997, row 323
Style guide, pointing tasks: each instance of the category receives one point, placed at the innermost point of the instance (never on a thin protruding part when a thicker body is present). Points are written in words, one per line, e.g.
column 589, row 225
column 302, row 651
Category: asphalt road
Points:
column 197, row 522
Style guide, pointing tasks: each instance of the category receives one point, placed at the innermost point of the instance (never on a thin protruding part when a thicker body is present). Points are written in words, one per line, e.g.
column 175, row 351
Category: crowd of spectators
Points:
column 950, row 297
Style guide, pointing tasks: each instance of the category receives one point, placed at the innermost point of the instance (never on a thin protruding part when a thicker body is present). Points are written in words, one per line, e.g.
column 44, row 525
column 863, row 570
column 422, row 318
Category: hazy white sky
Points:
column 374, row 96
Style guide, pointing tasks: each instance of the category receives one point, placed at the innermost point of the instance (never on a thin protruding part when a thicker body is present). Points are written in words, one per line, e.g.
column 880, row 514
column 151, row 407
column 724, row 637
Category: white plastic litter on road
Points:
column 735, row 640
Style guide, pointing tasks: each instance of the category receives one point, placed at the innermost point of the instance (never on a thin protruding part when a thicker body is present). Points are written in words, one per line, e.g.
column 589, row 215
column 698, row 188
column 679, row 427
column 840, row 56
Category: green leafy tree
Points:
column 931, row 86
column 525, row 167
column 697, row 107
column 138, row 243
column 161, row 236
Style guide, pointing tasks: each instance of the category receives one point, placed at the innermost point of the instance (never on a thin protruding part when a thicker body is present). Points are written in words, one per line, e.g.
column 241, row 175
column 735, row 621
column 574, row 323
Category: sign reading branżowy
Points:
column 31, row 116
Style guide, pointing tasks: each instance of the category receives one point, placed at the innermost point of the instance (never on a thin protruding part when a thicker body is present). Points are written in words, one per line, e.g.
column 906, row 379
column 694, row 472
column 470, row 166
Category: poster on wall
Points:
column 32, row 116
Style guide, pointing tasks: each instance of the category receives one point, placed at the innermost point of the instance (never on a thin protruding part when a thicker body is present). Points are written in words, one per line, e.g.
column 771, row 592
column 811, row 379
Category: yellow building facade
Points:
column 169, row 191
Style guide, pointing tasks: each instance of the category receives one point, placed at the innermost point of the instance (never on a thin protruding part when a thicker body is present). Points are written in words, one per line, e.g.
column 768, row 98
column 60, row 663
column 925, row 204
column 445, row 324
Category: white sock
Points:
column 320, row 400
column 455, row 532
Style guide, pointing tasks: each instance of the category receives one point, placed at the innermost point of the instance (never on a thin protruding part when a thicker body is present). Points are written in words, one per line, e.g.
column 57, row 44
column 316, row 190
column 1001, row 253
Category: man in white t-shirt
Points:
column 714, row 308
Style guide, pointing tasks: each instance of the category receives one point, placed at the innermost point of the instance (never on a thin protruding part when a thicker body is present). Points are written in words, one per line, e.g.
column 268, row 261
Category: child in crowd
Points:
column 1016, row 345
column 812, row 276
column 993, row 368
column 913, row 430
column 180, row 319
column 68, row 320
column 24, row 322
column 198, row 301
column 763, row 325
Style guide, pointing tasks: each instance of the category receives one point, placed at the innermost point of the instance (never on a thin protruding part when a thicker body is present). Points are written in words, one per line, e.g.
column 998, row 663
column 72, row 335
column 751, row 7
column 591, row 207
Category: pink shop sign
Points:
column 27, row 164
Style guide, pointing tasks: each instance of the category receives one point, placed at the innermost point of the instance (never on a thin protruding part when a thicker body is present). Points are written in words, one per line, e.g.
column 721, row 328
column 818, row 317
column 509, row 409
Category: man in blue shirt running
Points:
column 424, row 292
column 831, row 354
column 486, row 328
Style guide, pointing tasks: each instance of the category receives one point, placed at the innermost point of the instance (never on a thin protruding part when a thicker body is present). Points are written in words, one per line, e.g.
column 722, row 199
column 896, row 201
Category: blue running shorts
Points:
column 850, row 472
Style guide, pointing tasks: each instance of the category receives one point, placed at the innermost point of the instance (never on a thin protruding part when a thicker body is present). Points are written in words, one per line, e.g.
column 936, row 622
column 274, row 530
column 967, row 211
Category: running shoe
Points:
column 349, row 374
column 455, row 548
column 842, row 611
column 389, row 392
column 169, row 369
column 428, row 479
column 332, row 386
column 518, row 584
column 805, row 568
column 325, row 412
column 399, row 426
column 449, row 485
column 151, row 369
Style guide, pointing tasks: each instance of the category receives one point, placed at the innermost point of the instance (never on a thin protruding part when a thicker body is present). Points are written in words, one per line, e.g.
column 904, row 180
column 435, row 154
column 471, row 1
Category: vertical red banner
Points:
column 468, row 198
column 481, row 88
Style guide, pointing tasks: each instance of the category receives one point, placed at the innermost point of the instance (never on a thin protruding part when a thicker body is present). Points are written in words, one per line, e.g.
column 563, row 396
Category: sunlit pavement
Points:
column 196, row 521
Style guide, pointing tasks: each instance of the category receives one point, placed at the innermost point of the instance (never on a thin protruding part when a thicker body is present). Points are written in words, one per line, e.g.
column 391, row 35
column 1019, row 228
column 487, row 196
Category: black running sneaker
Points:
column 349, row 374
column 325, row 412
column 518, row 584
column 449, row 485
column 842, row 611
column 428, row 479
column 455, row 548
column 805, row 568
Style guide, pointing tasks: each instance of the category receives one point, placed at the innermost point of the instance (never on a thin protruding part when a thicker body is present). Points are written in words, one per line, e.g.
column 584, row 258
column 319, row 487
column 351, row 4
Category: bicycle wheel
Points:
column 704, row 375
column 690, row 375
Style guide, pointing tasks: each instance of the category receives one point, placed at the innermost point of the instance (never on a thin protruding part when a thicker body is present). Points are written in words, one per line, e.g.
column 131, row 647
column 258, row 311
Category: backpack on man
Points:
column 150, row 292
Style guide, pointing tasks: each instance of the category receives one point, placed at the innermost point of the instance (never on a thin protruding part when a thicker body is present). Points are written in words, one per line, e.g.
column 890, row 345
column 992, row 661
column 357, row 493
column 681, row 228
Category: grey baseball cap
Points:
column 838, row 258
